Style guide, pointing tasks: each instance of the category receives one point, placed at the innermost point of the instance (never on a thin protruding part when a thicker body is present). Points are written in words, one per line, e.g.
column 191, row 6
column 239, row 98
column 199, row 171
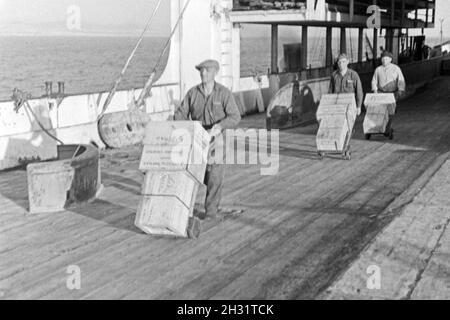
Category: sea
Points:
column 92, row 64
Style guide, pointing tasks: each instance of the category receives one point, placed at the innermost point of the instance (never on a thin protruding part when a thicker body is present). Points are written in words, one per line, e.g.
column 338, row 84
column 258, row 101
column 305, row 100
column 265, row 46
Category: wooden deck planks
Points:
column 301, row 228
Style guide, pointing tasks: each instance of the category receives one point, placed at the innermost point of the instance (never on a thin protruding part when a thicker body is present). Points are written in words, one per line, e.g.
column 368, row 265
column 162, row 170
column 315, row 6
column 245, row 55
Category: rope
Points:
column 149, row 82
column 20, row 99
column 119, row 79
column 27, row 105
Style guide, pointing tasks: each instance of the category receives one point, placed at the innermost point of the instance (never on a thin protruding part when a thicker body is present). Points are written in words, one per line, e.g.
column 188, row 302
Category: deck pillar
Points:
column 236, row 45
column 304, row 52
column 351, row 9
column 392, row 12
column 375, row 43
column 416, row 12
column 402, row 14
column 389, row 39
column 360, row 44
column 328, row 49
column 343, row 47
column 395, row 44
column 274, row 56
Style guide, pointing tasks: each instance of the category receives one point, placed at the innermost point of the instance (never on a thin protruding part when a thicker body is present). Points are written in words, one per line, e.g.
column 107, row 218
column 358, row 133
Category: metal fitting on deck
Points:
column 48, row 88
column 61, row 88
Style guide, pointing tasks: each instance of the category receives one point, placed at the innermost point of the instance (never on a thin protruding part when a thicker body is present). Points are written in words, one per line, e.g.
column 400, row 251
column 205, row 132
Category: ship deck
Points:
column 301, row 229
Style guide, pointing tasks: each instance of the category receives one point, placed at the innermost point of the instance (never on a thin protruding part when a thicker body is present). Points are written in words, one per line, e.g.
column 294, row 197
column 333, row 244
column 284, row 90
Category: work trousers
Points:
column 214, row 183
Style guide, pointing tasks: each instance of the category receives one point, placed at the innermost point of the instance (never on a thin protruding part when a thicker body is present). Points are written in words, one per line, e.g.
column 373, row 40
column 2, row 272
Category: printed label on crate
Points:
column 379, row 98
column 331, row 139
column 178, row 184
column 176, row 133
column 337, row 121
column 169, row 158
column 331, row 104
column 338, row 98
column 387, row 100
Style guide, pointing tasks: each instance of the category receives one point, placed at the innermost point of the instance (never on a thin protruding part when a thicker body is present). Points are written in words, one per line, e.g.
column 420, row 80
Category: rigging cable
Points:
column 149, row 82
column 119, row 79
column 28, row 107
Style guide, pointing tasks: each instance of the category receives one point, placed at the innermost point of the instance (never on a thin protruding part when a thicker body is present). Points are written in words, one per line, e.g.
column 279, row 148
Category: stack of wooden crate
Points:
column 174, row 161
column 379, row 106
column 336, row 115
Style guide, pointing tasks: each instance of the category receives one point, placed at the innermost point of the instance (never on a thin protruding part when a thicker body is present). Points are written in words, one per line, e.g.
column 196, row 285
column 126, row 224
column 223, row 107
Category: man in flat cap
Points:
column 388, row 78
column 213, row 105
column 346, row 80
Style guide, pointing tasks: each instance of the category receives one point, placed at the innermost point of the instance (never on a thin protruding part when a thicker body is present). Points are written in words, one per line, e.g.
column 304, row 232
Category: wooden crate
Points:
column 331, row 139
column 170, row 159
column 338, row 98
column 178, row 184
column 176, row 146
column 176, row 133
column 377, row 109
column 337, row 104
column 164, row 215
column 336, row 115
column 375, row 122
column 387, row 100
column 337, row 121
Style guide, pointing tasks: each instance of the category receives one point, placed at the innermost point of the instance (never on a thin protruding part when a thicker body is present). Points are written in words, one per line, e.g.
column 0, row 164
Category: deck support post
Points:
column 392, row 12
column 375, row 43
column 274, row 56
column 328, row 50
column 352, row 9
column 416, row 13
column 389, row 39
column 304, row 52
column 395, row 44
column 360, row 44
column 402, row 14
column 343, row 47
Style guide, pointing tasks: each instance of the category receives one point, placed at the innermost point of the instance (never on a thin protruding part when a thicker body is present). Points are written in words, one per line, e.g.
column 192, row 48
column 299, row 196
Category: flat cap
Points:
column 208, row 64
column 342, row 56
column 386, row 54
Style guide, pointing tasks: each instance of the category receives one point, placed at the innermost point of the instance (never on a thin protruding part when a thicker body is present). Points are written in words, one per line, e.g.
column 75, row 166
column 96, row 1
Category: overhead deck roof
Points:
column 395, row 13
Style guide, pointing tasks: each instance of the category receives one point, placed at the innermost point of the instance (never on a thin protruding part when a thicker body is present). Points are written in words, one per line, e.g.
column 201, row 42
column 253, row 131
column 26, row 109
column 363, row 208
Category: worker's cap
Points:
column 386, row 54
column 342, row 56
column 208, row 64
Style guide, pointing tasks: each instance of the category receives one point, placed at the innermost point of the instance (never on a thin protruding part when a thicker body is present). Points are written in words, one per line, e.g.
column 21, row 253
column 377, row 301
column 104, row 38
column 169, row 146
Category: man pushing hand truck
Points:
column 388, row 78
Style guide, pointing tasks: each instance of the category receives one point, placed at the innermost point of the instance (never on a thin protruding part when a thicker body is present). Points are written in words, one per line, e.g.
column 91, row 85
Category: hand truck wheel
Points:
column 321, row 155
column 368, row 136
column 194, row 228
column 347, row 155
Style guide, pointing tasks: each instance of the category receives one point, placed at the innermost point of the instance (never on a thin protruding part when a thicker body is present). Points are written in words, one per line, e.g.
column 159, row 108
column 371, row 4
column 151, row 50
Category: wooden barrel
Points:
column 292, row 105
column 125, row 128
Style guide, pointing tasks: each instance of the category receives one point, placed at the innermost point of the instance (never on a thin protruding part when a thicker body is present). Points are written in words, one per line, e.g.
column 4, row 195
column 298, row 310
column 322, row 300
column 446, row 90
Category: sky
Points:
column 113, row 17
column 42, row 17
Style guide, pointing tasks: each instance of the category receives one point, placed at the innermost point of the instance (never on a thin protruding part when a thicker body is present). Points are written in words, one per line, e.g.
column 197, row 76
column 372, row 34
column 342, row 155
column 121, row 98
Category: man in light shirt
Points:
column 388, row 78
